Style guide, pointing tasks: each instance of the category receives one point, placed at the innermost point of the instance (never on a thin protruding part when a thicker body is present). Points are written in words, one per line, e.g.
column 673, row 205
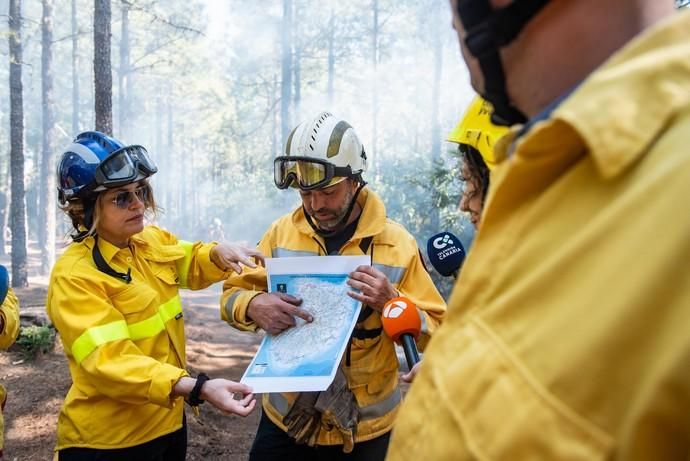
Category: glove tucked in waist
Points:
column 335, row 408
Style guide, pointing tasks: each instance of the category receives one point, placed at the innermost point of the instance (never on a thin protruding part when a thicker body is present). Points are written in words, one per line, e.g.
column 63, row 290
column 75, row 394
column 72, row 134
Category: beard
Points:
column 334, row 223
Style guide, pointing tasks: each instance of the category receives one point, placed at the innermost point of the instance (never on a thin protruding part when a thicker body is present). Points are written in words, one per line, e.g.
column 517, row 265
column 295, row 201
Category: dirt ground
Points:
column 36, row 389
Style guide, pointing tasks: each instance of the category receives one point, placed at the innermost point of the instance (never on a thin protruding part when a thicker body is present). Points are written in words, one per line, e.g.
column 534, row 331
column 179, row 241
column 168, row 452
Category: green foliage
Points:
column 36, row 340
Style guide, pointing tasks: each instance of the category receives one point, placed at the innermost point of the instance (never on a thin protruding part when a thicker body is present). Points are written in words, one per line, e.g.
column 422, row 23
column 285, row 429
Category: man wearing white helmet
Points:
column 325, row 159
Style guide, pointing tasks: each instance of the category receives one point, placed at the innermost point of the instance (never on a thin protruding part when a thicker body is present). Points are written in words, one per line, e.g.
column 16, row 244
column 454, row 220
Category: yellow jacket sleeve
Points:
column 240, row 289
column 116, row 368
column 197, row 268
column 418, row 287
column 10, row 316
column 193, row 259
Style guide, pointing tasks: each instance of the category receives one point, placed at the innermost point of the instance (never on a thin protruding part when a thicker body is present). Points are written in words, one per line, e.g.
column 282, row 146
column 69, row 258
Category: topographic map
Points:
column 306, row 356
column 327, row 301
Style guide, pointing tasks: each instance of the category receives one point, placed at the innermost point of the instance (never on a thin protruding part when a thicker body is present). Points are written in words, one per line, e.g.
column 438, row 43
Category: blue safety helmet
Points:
column 95, row 162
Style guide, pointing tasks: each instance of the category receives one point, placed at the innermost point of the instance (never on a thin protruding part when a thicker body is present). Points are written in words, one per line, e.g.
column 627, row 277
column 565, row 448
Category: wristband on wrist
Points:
column 194, row 398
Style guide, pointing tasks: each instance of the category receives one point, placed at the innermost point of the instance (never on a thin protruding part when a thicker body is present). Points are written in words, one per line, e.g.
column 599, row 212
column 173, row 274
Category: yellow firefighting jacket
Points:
column 372, row 374
column 10, row 314
column 567, row 335
column 124, row 342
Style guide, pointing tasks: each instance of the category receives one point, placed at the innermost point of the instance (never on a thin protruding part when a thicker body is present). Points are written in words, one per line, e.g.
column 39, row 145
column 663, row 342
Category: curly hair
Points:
column 477, row 168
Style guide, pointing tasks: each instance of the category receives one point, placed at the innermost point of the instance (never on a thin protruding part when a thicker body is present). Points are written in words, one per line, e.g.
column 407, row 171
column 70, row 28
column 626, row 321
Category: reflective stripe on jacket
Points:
column 373, row 371
column 125, row 343
column 567, row 334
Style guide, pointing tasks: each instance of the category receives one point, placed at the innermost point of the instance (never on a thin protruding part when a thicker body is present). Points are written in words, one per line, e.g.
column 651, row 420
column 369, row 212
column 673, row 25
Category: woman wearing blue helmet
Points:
column 113, row 297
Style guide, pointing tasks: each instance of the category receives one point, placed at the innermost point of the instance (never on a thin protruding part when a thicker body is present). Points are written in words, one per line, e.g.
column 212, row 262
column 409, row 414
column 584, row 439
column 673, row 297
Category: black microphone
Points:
column 447, row 252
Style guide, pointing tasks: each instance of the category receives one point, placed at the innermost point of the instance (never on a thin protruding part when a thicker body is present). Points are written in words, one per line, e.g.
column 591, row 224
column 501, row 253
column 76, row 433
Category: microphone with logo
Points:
column 402, row 324
column 447, row 253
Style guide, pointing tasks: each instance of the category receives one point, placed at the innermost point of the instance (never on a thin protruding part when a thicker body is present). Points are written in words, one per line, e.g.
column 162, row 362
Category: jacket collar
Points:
column 371, row 221
column 624, row 105
column 108, row 250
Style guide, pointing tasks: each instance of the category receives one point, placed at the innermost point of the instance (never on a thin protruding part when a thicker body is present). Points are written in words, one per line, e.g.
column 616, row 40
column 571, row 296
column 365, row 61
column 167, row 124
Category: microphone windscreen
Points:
column 400, row 316
column 447, row 252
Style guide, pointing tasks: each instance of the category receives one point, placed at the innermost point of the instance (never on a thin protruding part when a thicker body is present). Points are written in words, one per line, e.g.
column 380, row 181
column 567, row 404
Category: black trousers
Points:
column 170, row 447
column 272, row 444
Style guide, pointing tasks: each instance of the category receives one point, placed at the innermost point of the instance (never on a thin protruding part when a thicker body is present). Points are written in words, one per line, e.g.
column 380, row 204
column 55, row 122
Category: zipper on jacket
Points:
column 325, row 253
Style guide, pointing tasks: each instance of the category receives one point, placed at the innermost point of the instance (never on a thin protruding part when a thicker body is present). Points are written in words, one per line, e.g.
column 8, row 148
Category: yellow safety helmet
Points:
column 476, row 130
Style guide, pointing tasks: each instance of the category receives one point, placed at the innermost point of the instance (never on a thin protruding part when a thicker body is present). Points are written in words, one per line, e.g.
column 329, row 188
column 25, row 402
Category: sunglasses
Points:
column 125, row 198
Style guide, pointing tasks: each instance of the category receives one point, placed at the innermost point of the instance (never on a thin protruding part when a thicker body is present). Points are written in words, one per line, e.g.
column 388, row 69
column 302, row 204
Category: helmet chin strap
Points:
column 101, row 264
column 81, row 234
column 489, row 30
column 343, row 221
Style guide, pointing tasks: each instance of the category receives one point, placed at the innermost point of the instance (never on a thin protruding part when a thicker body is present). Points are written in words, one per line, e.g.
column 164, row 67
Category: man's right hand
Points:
column 275, row 312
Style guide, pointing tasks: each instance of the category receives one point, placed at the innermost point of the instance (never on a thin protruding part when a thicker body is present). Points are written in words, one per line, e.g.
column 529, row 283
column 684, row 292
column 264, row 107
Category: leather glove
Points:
column 339, row 410
column 303, row 420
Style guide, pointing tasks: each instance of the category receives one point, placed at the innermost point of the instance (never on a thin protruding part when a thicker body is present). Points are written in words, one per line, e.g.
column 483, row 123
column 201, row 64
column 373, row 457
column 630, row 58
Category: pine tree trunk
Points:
column 435, row 110
column 286, row 83
column 375, row 91
column 296, row 64
column 20, row 273
column 331, row 59
column 75, row 73
column 47, row 196
column 123, row 74
column 3, row 218
column 102, row 74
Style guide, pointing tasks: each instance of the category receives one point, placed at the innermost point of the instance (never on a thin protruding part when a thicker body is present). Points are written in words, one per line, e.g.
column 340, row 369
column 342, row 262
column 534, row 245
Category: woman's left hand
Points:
column 229, row 256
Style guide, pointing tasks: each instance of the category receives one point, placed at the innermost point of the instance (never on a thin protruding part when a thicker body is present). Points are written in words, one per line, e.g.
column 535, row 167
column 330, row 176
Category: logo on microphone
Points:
column 442, row 242
column 394, row 309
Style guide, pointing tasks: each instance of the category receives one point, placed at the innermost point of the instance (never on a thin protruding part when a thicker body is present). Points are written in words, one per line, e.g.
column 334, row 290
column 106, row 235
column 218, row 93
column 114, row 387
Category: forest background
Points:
column 212, row 89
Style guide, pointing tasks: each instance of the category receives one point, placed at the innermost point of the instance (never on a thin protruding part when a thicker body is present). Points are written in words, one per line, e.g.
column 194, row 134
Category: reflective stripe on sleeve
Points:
column 88, row 341
column 156, row 323
column 96, row 336
column 394, row 274
column 184, row 263
column 425, row 328
column 285, row 253
column 230, row 303
column 383, row 407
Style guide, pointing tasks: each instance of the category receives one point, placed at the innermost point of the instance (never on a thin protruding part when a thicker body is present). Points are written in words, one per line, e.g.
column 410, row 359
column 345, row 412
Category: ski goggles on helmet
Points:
column 306, row 173
column 124, row 166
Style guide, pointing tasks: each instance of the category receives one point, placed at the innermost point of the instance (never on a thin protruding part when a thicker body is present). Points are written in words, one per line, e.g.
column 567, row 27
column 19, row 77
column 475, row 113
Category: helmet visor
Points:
column 303, row 172
column 123, row 166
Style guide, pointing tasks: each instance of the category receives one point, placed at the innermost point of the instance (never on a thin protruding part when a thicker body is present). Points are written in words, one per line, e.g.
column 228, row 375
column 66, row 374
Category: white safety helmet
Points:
column 320, row 153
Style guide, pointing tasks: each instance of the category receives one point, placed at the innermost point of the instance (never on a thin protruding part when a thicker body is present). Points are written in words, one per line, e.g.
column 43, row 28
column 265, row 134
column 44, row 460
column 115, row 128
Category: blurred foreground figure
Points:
column 9, row 330
column 567, row 334
column 114, row 298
